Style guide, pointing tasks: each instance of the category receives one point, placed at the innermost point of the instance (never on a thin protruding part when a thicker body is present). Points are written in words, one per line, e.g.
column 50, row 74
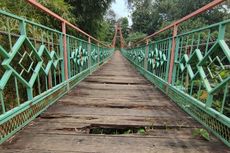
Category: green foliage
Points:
column 61, row 8
column 141, row 19
column 201, row 133
column 141, row 131
column 217, row 105
column 89, row 14
column 23, row 8
column 224, row 73
column 105, row 32
column 135, row 36
column 151, row 15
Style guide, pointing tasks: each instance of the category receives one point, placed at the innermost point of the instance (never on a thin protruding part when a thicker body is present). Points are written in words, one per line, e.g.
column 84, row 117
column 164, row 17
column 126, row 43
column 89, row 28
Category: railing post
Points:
column 68, row 55
column 65, row 53
column 89, row 54
column 172, row 53
column 146, row 55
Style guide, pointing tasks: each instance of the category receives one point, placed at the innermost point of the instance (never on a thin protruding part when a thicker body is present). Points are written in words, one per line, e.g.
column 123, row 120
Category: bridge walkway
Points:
column 113, row 110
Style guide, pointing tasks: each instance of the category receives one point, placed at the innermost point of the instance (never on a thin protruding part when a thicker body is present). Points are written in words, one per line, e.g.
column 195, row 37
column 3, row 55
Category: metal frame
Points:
column 51, row 62
column 182, row 66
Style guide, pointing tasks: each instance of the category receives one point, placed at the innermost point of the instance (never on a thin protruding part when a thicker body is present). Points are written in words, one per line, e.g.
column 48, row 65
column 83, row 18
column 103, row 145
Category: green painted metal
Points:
column 201, row 74
column 32, row 75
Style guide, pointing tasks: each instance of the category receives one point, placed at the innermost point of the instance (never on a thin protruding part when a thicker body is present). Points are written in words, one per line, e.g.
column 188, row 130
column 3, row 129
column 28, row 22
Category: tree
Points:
column 145, row 16
column 90, row 14
column 106, row 32
column 142, row 20
column 134, row 37
column 86, row 14
column 151, row 15
column 23, row 8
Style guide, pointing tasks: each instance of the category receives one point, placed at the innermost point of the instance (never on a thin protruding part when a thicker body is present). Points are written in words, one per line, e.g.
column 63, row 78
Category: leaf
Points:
column 201, row 133
column 224, row 73
column 205, row 134
column 141, row 131
column 204, row 95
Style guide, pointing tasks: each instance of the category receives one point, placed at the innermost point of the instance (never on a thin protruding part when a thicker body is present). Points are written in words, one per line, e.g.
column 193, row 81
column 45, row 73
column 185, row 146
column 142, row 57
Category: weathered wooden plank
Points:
column 114, row 144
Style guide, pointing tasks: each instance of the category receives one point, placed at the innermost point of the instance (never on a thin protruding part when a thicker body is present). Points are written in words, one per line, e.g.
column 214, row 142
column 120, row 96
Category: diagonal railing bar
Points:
column 192, row 68
column 38, row 66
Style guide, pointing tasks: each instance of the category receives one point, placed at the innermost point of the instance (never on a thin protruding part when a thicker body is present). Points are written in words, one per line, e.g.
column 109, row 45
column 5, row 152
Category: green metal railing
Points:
column 84, row 58
column 201, row 73
column 32, row 70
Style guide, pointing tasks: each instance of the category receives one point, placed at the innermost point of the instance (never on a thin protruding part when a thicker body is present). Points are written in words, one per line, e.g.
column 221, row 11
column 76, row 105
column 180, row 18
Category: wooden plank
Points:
column 114, row 97
column 116, row 144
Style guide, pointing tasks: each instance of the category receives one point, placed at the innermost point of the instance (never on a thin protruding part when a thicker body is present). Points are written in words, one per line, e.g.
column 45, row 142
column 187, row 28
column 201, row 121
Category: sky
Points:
column 121, row 9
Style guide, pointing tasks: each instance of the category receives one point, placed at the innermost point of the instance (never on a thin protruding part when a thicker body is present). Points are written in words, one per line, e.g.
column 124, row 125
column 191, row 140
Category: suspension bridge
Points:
column 168, row 92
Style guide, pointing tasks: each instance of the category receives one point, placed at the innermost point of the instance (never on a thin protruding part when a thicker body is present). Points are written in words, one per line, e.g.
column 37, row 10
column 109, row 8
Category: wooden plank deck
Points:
column 115, row 97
